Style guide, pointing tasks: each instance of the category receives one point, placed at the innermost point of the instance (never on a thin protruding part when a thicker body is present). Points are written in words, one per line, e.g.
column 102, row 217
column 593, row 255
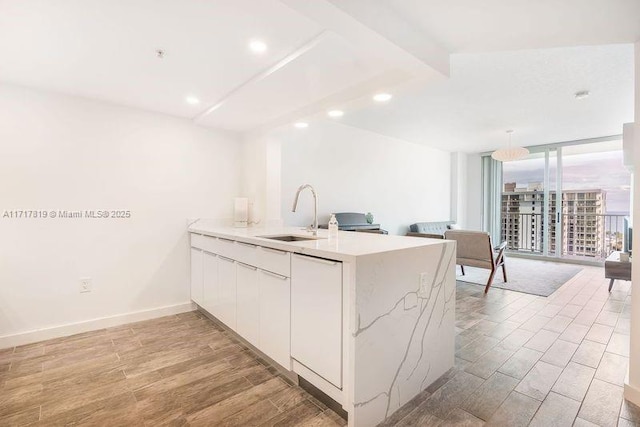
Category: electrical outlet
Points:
column 85, row 284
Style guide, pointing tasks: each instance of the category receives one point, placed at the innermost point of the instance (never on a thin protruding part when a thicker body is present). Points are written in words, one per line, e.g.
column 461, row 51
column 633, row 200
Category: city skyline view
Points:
column 584, row 171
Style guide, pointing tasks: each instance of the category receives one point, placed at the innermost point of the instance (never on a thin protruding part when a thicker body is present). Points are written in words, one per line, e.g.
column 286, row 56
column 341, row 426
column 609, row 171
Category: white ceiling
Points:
column 531, row 92
column 335, row 53
column 464, row 26
column 332, row 65
column 106, row 49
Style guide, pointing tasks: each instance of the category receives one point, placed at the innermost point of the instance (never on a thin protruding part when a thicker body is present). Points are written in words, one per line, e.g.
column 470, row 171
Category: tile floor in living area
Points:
column 521, row 360
column 526, row 360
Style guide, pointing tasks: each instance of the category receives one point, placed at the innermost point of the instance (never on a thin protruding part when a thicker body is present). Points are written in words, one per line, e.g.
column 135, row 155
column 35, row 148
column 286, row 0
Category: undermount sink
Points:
column 289, row 238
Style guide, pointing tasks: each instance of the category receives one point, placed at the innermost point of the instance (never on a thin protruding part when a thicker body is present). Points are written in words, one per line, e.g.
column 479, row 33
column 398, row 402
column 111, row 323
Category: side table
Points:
column 616, row 269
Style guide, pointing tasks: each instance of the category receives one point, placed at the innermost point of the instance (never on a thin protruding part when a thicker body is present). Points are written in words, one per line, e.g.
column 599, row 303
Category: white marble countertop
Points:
column 347, row 247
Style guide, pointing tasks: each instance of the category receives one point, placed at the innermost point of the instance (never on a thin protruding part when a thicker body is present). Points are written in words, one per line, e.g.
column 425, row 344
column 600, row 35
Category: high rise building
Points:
column 522, row 224
column 582, row 219
column 583, row 222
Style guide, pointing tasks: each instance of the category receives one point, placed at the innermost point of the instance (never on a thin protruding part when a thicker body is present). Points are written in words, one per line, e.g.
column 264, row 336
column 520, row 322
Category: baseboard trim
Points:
column 631, row 393
column 554, row 259
column 29, row 337
column 324, row 398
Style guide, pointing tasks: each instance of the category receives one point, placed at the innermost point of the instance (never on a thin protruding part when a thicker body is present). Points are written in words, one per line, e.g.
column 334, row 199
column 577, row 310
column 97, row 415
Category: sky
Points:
column 586, row 171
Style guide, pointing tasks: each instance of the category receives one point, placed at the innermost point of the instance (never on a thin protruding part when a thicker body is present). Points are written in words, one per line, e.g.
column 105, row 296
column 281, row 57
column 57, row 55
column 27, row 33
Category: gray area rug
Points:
column 525, row 275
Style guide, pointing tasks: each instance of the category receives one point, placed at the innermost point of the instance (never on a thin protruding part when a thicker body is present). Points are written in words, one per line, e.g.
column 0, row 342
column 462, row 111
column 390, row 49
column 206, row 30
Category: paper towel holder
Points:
column 241, row 212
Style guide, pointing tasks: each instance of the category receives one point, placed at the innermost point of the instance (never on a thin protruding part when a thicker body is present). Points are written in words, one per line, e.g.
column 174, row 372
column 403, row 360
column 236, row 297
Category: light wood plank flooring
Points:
column 176, row 370
column 520, row 360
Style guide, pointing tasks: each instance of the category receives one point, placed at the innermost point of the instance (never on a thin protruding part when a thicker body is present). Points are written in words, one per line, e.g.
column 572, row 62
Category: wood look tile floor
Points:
column 520, row 360
column 524, row 360
column 176, row 370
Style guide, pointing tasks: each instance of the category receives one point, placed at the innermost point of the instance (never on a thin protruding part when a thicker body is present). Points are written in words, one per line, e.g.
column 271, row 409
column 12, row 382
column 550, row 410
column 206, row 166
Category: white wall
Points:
column 60, row 152
column 359, row 171
column 632, row 384
column 261, row 166
column 473, row 188
column 459, row 188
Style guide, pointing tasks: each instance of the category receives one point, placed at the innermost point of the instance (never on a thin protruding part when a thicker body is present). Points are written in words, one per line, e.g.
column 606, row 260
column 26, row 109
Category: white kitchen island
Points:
column 368, row 319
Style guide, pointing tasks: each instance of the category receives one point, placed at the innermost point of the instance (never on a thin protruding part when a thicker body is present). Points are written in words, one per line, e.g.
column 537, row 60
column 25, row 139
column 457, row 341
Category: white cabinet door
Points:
column 225, row 308
column 275, row 320
column 196, row 276
column 316, row 316
column 211, row 289
column 248, row 307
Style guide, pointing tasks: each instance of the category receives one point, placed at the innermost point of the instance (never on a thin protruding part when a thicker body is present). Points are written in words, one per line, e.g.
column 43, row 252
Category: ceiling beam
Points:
column 352, row 98
column 374, row 27
column 301, row 50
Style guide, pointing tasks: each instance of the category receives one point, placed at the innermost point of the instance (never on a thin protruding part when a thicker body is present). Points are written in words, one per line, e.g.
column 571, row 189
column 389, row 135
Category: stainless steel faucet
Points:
column 314, row 226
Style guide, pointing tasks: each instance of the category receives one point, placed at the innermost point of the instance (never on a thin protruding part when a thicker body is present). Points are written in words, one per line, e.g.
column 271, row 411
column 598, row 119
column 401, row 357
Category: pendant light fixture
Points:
column 510, row 153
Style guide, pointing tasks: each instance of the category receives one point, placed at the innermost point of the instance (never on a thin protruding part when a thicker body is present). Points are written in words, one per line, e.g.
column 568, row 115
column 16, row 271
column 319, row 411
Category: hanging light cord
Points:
column 509, row 132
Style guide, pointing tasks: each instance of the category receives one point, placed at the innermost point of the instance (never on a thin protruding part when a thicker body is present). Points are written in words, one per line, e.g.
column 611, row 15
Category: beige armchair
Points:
column 474, row 249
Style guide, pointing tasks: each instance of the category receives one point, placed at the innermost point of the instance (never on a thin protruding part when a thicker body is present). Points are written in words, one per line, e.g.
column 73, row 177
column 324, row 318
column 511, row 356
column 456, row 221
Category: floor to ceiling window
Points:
column 567, row 201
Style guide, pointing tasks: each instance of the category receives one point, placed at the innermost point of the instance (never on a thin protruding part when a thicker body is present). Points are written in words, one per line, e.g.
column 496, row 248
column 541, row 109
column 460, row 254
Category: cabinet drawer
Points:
column 207, row 243
column 275, row 261
column 197, row 241
column 226, row 248
column 246, row 253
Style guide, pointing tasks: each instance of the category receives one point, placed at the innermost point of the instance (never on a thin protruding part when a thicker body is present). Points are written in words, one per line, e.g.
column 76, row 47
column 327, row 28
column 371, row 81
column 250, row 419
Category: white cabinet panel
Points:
column 211, row 288
column 275, row 317
column 225, row 309
column 196, row 276
column 246, row 253
column 207, row 243
column 226, row 248
column 248, row 289
column 316, row 316
column 275, row 261
column 197, row 240
column 248, row 307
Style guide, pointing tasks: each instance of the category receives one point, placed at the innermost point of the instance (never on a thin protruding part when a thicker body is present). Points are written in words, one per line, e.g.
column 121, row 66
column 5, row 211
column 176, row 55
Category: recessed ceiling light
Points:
column 301, row 125
column 335, row 113
column 582, row 94
column 192, row 100
column 382, row 97
column 257, row 46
